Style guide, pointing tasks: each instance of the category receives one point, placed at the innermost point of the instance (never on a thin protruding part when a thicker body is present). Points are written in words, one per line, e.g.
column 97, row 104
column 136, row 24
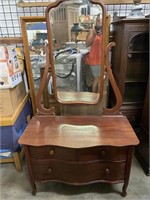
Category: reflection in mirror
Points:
column 75, row 32
column 37, row 37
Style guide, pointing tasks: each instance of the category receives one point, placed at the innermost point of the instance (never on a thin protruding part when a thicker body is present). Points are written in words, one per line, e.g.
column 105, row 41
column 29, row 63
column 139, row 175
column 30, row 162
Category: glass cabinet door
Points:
column 137, row 67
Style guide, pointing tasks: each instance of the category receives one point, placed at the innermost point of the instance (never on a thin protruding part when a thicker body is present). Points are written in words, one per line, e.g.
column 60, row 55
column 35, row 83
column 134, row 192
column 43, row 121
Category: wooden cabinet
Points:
column 130, row 65
column 64, row 17
column 71, row 150
column 142, row 150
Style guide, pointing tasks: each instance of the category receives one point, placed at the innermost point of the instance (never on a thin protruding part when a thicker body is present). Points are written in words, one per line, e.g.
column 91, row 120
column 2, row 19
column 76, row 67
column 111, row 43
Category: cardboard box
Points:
column 10, row 74
column 10, row 99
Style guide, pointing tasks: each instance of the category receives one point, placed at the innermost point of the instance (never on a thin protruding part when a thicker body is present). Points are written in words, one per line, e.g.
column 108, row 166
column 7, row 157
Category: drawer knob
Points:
column 107, row 171
column 49, row 170
column 103, row 153
column 51, row 152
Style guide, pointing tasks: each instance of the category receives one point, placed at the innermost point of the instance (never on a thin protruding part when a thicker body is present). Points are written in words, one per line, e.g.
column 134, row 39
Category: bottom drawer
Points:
column 77, row 173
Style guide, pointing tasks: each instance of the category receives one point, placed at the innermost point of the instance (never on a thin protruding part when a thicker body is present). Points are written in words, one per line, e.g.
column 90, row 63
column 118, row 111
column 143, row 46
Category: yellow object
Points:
column 10, row 99
column 82, row 36
column 20, row 56
column 10, row 120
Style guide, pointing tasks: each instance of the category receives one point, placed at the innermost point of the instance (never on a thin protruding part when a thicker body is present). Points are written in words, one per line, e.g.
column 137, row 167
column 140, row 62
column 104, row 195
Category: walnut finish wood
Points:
column 106, row 153
column 79, row 131
column 89, row 149
column 79, row 150
column 75, row 175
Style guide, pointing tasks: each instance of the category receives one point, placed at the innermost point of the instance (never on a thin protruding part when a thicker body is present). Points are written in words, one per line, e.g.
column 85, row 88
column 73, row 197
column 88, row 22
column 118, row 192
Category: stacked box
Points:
column 10, row 74
column 10, row 99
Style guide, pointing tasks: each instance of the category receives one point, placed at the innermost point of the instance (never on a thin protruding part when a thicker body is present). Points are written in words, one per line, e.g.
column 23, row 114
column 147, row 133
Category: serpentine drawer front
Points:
column 85, row 154
column 79, row 149
column 51, row 152
column 77, row 172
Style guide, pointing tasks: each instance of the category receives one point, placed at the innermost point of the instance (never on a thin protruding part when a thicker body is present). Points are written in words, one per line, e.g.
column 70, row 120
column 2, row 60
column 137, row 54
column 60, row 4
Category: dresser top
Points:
column 79, row 131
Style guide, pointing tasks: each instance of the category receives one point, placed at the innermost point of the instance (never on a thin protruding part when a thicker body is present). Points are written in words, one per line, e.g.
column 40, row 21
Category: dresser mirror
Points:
column 68, row 23
column 63, row 56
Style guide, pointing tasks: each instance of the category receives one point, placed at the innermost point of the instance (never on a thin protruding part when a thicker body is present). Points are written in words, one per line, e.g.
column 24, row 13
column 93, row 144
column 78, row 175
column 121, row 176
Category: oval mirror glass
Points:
column 76, row 49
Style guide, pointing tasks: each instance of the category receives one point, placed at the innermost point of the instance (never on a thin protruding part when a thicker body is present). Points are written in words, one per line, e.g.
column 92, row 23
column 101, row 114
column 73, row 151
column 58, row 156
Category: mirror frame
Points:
column 100, row 94
column 23, row 21
column 37, row 106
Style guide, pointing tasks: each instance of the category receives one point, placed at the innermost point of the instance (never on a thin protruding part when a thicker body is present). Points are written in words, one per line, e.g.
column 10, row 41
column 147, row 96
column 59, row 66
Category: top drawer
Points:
column 106, row 153
column 52, row 152
column 103, row 153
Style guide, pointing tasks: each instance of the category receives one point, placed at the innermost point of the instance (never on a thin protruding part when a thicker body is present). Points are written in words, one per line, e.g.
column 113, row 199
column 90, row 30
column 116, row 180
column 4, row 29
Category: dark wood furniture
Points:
column 130, row 65
column 142, row 150
column 79, row 150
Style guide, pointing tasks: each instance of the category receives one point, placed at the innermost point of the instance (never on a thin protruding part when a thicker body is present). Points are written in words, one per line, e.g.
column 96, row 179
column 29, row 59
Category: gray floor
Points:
column 15, row 186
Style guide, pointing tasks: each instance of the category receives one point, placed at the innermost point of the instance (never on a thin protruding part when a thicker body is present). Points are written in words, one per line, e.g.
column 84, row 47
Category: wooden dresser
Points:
column 79, row 150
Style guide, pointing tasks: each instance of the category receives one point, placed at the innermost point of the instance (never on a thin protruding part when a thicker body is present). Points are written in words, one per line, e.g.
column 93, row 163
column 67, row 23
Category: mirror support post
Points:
column 41, row 109
column 116, row 90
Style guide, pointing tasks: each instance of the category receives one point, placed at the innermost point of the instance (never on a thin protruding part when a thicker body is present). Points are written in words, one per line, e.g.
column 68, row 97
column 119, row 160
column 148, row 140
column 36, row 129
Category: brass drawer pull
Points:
column 50, row 171
column 107, row 171
column 52, row 152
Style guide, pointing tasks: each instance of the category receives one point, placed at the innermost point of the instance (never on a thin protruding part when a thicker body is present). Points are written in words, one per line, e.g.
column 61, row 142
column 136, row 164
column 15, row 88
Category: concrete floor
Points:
column 15, row 186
